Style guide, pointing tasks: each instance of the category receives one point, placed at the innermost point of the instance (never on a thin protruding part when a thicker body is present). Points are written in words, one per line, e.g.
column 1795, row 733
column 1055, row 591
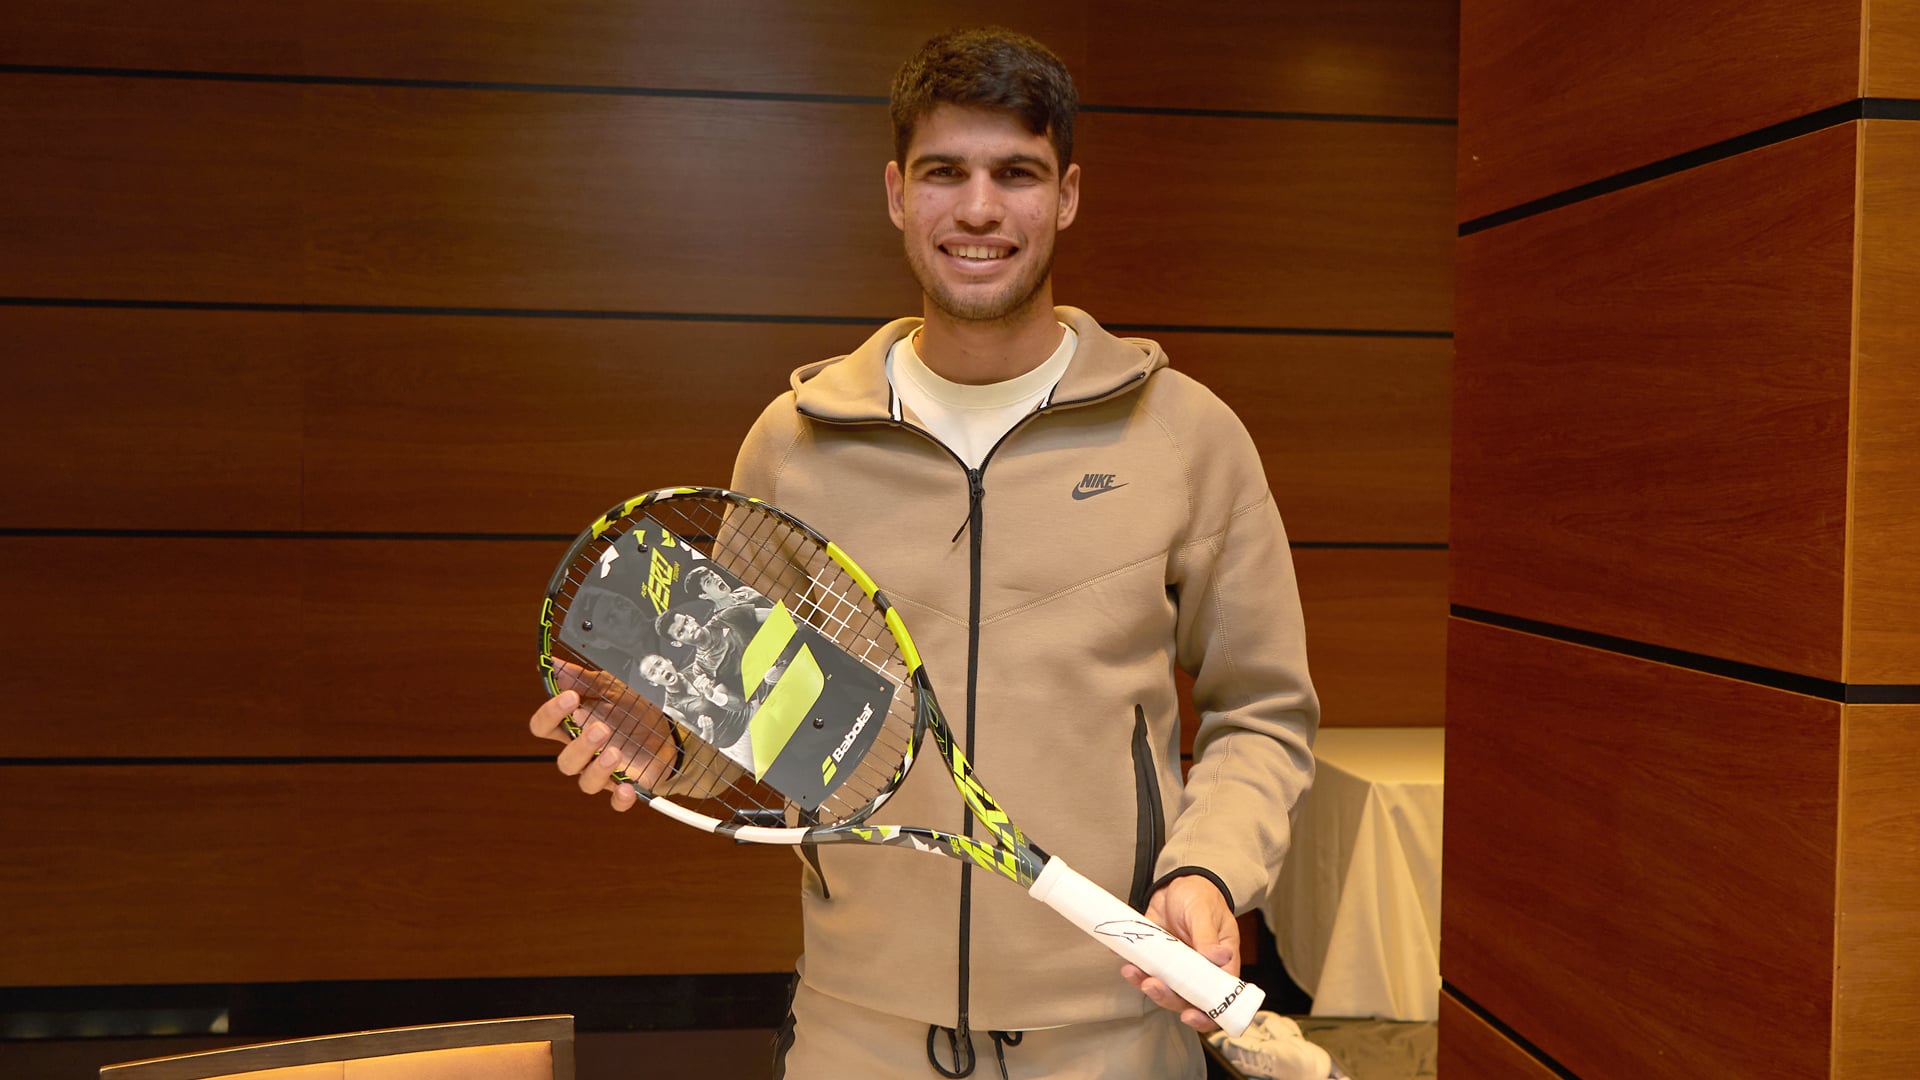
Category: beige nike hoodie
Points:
column 1122, row 529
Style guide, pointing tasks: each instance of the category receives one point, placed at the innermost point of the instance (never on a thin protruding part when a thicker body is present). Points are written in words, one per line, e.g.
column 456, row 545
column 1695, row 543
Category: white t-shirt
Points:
column 971, row 419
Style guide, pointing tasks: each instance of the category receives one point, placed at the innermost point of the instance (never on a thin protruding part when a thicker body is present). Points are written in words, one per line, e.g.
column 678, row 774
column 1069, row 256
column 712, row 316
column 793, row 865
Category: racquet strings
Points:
column 783, row 562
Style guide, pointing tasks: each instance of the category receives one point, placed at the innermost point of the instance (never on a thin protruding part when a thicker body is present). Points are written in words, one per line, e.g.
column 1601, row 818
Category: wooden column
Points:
column 1683, row 809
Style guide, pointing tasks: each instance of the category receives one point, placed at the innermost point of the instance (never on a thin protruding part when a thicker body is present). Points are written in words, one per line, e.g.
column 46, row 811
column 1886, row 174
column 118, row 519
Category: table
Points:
column 1355, row 912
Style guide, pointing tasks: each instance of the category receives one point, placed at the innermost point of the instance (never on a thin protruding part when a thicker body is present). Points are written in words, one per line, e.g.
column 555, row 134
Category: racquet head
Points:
column 667, row 595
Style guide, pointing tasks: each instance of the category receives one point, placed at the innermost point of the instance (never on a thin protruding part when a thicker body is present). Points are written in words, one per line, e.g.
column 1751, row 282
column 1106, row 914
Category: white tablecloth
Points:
column 1356, row 910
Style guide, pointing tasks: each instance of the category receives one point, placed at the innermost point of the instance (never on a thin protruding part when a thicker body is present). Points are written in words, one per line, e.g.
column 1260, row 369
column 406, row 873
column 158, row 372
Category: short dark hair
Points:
column 987, row 68
column 663, row 622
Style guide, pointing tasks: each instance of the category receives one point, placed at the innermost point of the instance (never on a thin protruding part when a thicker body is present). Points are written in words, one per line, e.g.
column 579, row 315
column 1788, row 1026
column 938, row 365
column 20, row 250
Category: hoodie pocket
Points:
column 1152, row 828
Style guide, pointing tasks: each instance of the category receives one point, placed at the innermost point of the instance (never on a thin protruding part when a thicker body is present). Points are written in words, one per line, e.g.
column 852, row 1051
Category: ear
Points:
column 1069, row 196
column 896, row 196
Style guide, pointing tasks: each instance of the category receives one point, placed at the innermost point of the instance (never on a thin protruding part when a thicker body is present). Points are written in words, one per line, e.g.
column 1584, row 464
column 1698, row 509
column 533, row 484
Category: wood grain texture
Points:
column 257, row 420
column 1893, row 48
column 145, row 189
column 1353, row 431
column 218, row 647
column 1471, row 1049
column 1884, row 574
column 153, row 420
column 1376, row 635
column 1651, row 407
column 1639, row 860
column 531, row 425
column 758, row 46
column 319, row 872
column 1556, row 95
column 363, row 195
column 136, row 189
column 128, row 419
column 1877, row 950
column 1391, row 57
column 1263, row 223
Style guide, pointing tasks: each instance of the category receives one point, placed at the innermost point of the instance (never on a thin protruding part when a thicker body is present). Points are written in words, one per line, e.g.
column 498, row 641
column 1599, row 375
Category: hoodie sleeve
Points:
column 1241, row 635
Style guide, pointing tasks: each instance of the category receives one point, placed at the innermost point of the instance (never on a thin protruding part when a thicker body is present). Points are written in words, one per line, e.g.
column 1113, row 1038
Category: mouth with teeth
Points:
column 977, row 252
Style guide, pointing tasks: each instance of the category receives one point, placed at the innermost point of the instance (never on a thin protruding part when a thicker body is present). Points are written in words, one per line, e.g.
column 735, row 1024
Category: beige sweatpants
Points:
column 835, row 1040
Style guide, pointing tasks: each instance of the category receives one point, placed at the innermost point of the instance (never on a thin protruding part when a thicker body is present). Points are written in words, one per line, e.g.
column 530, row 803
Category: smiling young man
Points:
column 1063, row 519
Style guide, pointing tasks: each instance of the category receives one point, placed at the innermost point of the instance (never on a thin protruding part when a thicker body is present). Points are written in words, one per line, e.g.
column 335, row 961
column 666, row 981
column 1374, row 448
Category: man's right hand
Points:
column 612, row 739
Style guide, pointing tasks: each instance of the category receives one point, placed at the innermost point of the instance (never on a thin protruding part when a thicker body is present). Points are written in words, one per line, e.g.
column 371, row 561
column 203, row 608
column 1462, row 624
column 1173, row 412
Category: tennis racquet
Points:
column 759, row 686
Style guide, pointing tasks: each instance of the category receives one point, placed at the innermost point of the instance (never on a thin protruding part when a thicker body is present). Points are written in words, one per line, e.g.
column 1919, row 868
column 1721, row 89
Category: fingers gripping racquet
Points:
column 759, row 686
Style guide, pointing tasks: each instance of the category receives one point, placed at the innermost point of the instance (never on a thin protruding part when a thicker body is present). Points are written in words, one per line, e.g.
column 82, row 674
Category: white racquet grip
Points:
column 1230, row 1001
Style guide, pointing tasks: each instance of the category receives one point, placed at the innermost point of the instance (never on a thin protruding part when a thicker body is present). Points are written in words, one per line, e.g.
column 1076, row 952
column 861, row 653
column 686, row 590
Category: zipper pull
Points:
column 976, row 490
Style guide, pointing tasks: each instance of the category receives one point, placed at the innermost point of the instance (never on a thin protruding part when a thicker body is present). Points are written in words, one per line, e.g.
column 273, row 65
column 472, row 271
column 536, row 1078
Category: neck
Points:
column 978, row 352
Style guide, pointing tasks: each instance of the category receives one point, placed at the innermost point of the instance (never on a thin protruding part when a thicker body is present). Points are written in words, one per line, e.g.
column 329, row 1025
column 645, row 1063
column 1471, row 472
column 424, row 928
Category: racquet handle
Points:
column 1229, row 1000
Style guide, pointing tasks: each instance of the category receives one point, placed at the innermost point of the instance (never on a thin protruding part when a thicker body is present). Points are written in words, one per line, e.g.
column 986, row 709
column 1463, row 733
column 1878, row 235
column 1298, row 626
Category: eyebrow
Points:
column 1033, row 161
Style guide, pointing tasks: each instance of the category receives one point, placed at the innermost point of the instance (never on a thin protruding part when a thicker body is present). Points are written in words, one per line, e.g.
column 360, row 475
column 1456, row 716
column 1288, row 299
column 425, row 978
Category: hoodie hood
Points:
column 853, row 389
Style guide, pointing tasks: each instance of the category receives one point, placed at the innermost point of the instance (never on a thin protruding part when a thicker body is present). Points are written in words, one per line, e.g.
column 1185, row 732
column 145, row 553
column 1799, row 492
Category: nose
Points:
column 980, row 206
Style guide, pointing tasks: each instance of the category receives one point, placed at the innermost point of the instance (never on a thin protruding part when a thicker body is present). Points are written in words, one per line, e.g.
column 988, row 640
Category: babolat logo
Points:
column 1095, row 483
column 832, row 763
column 1222, row 1007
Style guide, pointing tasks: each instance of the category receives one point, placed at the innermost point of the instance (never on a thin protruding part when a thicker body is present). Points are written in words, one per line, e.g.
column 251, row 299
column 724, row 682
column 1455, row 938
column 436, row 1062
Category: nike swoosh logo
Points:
column 1088, row 493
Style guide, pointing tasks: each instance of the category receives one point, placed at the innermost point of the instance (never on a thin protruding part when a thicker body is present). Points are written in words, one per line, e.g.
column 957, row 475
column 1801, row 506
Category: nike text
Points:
column 1095, row 484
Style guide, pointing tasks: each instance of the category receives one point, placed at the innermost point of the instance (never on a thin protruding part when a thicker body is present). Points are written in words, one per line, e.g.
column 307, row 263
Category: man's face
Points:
column 682, row 627
column 658, row 670
column 978, row 201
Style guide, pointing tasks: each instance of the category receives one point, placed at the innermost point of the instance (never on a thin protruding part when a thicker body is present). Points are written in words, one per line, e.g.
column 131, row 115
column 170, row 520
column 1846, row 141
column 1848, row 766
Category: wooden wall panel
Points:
column 1876, row 991
column 361, row 195
column 1883, row 581
column 1892, row 48
column 1471, row 1049
column 132, row 188
column 1353, row 431
column 256, row 648
column 366, row 195
column 1376, row 635
column 1553, row 97
column 122, row 420
column 1641, row 851
column 1331, row 225
column 531, row 425
column 1650, row 410
column 1393, row 57
column 1377, row 56
column 762, row 46
column 320, row 872
column 259, row 420
column 578, row 201
column 247, row 647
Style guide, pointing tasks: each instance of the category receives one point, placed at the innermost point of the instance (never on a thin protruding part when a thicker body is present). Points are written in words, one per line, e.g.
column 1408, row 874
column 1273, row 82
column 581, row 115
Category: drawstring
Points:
column 1002, row 1040
column 961, row 1045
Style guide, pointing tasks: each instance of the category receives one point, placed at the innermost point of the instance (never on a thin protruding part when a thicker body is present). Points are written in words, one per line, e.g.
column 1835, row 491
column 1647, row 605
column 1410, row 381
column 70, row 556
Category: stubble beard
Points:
column 1005, row 306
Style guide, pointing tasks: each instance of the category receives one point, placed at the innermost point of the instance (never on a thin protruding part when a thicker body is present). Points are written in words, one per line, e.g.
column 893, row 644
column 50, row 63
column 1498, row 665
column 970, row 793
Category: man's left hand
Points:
column 1191, row 909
